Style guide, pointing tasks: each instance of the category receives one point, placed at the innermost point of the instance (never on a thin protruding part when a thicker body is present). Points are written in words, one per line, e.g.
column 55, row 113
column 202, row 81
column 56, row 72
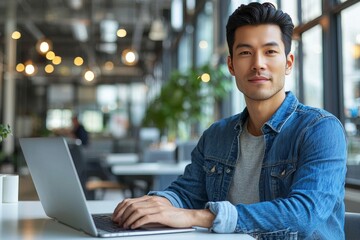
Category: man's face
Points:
column 259, row 63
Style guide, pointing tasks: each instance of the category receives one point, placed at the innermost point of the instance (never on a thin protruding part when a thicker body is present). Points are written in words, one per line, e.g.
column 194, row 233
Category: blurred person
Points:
column 79, row 131
column 274, row 171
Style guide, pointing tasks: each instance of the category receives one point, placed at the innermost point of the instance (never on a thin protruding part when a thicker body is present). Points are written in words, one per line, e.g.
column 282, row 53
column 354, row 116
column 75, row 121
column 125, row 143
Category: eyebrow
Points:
column 245, row 45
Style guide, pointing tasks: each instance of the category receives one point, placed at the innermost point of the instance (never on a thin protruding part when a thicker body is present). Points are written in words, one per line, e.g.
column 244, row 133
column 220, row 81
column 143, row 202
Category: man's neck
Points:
column 261, row 111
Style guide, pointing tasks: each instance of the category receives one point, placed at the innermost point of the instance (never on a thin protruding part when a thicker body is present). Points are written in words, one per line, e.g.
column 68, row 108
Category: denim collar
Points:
column 278, row 119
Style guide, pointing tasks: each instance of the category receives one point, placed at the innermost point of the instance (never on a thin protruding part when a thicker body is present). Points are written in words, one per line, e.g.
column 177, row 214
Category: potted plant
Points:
column 182, row 97
column 5, row 131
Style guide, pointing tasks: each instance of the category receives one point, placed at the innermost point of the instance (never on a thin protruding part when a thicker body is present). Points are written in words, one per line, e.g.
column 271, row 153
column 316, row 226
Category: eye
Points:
column 244, row 53
column 271, row 51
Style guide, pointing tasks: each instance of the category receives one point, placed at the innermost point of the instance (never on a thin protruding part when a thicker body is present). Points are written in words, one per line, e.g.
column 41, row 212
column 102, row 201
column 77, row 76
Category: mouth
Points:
column 258, row 79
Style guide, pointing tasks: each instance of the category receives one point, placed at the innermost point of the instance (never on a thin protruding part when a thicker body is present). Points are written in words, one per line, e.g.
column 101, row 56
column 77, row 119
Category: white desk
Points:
column 157, row 168
column 27, row 220
column 121, row 158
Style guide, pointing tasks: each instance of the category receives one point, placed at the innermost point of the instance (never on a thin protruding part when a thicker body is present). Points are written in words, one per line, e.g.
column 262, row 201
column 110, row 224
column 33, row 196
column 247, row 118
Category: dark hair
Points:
column 256, row 14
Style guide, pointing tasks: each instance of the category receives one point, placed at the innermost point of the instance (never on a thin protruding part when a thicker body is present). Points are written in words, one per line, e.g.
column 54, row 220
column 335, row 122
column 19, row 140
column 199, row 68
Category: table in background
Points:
column 27, row 220
column 113, row 159
column 153, row 168
column 156, row 175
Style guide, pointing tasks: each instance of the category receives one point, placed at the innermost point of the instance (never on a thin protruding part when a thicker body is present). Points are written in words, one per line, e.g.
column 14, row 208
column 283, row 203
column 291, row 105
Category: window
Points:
column 235, row 4
column 290, row 7
column 138, row 102
column 120, row 103
column 291, row 80
column 58, row 118
column 313, row 65
column 106, row 96
column 310, row 9
column 204, row 35
column 351, row 74
column 92, row 120
column 185, row 51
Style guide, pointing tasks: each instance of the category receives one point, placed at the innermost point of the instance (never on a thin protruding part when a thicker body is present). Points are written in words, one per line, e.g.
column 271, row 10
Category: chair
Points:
column 76, row 152
column 184, row 149
column 158, row 155
column 99, row 187
column 94, row 177
column 352, row 226
column 146, row 137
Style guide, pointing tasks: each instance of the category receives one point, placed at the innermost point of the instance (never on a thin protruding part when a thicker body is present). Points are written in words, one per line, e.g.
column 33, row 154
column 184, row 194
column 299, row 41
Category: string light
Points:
column 109, row 66
column 20, row 67
column 203, row 44
column 56, row 60
column 16, row 35
column 205, row 77
column 121, row 33
column 78, row 61
column 89, row 75
column 49, row 68
column 129, row 57
column 50, row 55
column 43, row 46
column 30, row 68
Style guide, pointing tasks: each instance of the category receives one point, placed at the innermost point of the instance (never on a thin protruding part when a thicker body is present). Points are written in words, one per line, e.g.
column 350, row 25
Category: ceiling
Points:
column 79, row 28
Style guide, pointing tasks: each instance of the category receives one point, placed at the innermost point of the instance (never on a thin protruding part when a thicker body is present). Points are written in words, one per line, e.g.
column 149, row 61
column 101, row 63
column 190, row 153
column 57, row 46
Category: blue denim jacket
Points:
column 302, row 179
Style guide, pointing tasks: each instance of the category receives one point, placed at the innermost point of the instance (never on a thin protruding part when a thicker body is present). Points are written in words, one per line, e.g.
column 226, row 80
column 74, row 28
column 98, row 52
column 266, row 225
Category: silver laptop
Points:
column 60, row 192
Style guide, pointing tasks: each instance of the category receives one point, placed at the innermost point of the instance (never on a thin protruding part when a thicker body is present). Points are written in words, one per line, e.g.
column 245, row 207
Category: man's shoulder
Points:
column 306, row 115
column 307, row 110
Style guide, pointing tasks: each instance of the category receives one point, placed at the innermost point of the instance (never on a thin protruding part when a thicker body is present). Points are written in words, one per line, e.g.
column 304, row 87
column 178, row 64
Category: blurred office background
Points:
column 131, row 71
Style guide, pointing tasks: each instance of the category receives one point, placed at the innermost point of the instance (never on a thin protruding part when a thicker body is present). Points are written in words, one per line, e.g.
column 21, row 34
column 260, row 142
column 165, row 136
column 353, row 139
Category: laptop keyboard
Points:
column 105, row 223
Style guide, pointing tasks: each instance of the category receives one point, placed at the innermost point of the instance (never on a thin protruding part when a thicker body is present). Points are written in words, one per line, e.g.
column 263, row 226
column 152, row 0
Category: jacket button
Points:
column 228, row 170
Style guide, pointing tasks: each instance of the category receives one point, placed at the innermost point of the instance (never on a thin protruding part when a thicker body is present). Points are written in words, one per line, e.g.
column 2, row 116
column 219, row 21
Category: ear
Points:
column 230, row 65
column 289, row 63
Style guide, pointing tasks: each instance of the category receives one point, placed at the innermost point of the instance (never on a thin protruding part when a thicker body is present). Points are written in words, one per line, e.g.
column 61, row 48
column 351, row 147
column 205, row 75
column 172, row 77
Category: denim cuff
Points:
column 225, row 216
column 171, row 196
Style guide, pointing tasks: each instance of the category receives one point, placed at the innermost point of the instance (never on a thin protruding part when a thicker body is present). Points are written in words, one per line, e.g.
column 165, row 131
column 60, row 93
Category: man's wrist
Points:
column 202, row 218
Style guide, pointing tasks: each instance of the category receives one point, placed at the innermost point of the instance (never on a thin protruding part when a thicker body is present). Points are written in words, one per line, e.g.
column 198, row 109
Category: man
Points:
column 274, row 171
column 79, row 131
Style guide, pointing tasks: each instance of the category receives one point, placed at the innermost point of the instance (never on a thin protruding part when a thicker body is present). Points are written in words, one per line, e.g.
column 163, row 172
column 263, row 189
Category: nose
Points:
column 259, row 62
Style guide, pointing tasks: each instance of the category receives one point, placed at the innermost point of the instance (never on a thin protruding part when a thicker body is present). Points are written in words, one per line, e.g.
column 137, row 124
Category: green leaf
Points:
column 5, row 130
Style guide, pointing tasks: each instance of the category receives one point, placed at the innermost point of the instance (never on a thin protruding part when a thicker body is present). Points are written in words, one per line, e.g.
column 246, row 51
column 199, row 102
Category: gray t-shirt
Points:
column 245, row 184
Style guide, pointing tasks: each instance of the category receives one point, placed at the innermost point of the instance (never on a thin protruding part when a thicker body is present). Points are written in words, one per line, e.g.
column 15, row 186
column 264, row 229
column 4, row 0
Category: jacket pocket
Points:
column 281, row 178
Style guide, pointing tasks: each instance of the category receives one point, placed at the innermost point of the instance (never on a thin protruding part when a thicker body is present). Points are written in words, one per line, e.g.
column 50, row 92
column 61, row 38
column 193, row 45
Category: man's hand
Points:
column 137, row 212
